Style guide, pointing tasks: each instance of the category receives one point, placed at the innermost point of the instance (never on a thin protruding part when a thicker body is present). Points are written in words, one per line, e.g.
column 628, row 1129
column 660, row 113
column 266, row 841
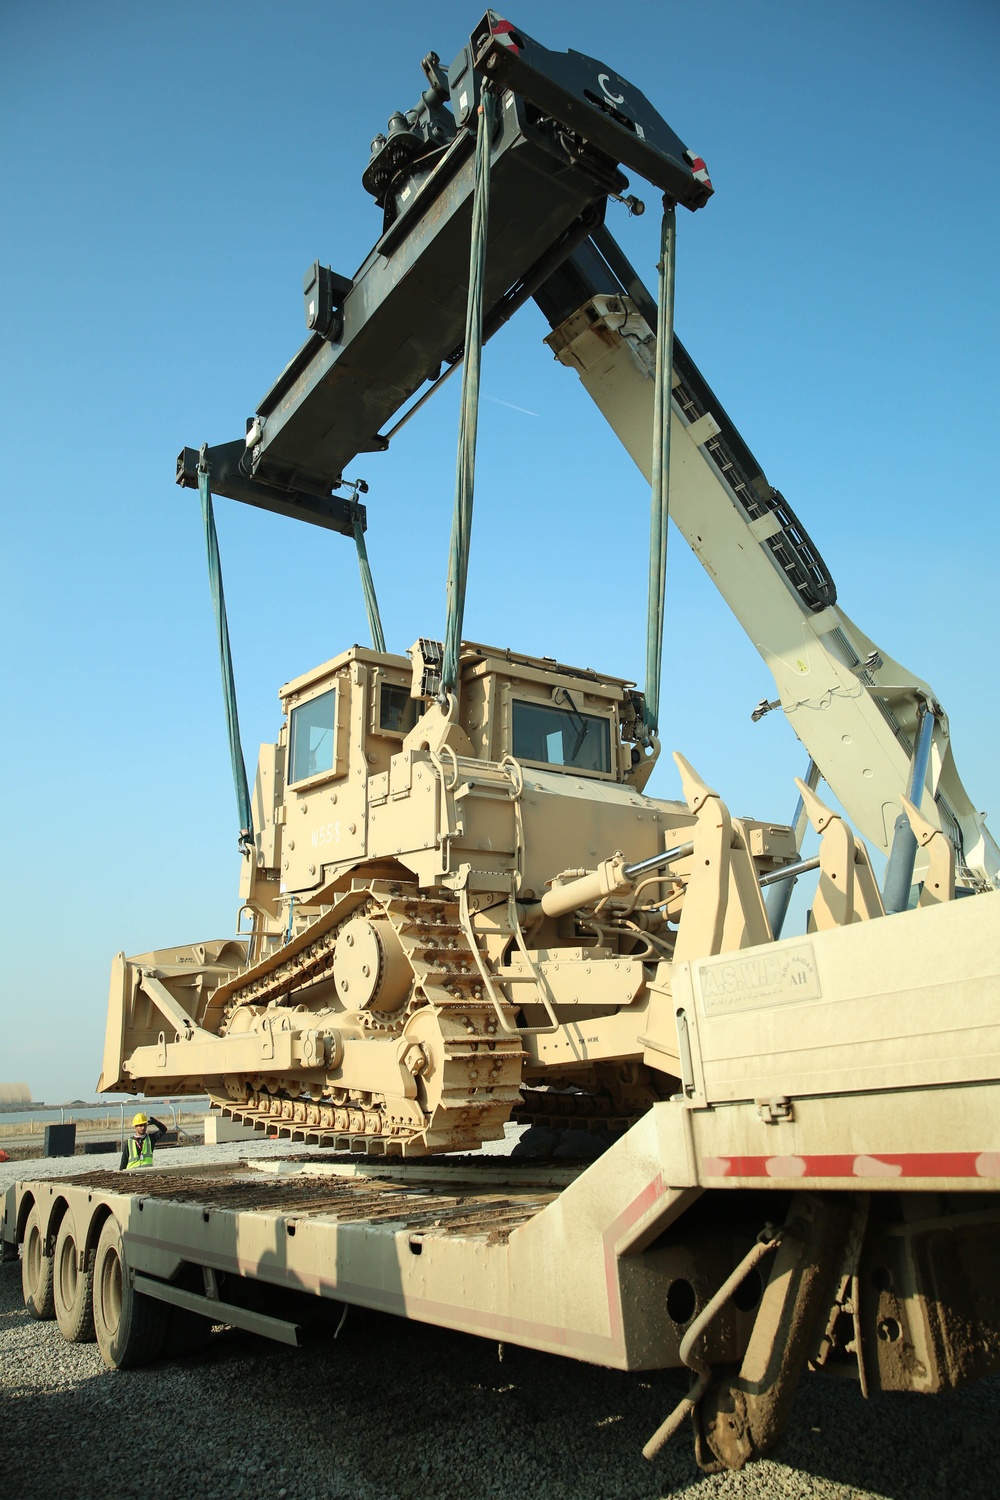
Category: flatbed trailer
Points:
column 789, row 1209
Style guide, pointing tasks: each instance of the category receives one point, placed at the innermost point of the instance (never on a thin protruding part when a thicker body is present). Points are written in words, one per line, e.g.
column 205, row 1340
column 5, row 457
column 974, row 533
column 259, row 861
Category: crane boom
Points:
column 855, row 709
column 566, row 125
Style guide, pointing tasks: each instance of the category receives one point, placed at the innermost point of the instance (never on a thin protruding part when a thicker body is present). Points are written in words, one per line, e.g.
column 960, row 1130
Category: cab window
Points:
column 397, row 711
column 313, row 736
column 561, row 737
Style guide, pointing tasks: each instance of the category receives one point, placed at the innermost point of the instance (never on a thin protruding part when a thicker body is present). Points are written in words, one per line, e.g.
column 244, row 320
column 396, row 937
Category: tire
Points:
column 131, row 1329
column 72, row 1288
column 36, row 1269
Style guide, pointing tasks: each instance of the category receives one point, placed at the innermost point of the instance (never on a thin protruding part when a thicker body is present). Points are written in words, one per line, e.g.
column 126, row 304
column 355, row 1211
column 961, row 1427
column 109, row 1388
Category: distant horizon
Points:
column 110, row 1099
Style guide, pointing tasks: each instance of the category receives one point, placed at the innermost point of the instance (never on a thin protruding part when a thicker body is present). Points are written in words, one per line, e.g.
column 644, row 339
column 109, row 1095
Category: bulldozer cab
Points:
column 541, row 713
column 353, row 724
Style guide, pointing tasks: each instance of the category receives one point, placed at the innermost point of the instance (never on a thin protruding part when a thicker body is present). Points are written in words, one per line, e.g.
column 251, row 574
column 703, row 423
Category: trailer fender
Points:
column 24, row 1207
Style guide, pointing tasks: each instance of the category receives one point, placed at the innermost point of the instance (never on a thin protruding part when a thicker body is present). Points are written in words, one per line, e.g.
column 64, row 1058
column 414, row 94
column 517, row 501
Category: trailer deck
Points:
column 470, row 1197
column 486, row 1245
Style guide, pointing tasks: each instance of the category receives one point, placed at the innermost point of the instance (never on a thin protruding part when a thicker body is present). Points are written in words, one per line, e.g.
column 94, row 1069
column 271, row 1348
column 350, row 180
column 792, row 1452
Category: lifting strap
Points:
column 368, row 587
column 225, row 654
column 465, row 472
column 660, row 505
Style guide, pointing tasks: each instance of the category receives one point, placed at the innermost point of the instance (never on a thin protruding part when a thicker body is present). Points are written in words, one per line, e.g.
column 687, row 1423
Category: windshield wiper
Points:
column 580, row 724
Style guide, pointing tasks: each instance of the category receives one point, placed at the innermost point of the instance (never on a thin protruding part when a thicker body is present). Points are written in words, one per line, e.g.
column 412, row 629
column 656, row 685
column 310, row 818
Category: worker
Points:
column 138, row 1150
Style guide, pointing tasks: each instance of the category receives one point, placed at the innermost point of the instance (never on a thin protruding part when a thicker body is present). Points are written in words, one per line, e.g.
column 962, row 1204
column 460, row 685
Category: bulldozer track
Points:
column 572, row 1111
column 468, row 1069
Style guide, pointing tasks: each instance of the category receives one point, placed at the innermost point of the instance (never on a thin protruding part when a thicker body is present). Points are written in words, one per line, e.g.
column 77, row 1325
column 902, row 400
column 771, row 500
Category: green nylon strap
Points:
column 225, row 657
column 368, row 587
column 660, row 504
column 465, row 472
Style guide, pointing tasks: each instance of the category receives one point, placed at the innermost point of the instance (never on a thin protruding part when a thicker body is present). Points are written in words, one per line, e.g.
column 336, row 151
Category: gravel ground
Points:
column 396, row 1409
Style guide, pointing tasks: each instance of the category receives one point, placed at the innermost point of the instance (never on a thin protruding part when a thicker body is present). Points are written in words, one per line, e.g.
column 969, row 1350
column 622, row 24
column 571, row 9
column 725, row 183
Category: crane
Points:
column 872, row 728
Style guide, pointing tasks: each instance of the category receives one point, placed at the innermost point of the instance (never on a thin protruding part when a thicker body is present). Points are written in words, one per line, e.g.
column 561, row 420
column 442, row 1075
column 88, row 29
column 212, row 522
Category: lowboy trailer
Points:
column 744, row 1234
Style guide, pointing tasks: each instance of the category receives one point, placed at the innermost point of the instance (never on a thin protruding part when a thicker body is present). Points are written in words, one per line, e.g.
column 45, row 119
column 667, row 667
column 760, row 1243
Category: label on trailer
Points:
column 748, row 983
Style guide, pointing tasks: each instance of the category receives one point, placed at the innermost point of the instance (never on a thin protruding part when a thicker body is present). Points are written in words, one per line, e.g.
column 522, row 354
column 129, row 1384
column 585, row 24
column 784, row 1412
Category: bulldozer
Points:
column 459, row 915
column 463, row 907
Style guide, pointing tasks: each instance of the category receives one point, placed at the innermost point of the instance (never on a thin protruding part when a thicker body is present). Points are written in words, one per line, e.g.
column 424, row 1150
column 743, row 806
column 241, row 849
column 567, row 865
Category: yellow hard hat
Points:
column 140, row 1119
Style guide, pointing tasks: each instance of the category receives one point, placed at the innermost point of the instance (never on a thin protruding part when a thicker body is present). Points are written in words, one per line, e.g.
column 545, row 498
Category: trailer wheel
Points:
column 36, row 1269
column 71, row 1286
column 131, row 1329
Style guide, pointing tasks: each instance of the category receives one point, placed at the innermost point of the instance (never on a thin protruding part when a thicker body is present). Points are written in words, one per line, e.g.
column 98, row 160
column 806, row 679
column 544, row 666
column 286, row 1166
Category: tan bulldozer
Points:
column 455, row 915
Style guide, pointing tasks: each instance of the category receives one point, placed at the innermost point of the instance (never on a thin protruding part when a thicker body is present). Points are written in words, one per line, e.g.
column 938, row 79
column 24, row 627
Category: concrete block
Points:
column 219, row 1129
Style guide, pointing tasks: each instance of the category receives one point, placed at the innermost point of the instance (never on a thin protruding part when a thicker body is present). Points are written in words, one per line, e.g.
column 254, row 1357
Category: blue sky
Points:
column 169, row 172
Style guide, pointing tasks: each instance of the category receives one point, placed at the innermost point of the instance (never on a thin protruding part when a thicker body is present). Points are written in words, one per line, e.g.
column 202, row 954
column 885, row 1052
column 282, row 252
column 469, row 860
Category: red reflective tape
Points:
column 639, row 1206
column 699, row 171
column 982, row 1164
column 502, row 31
